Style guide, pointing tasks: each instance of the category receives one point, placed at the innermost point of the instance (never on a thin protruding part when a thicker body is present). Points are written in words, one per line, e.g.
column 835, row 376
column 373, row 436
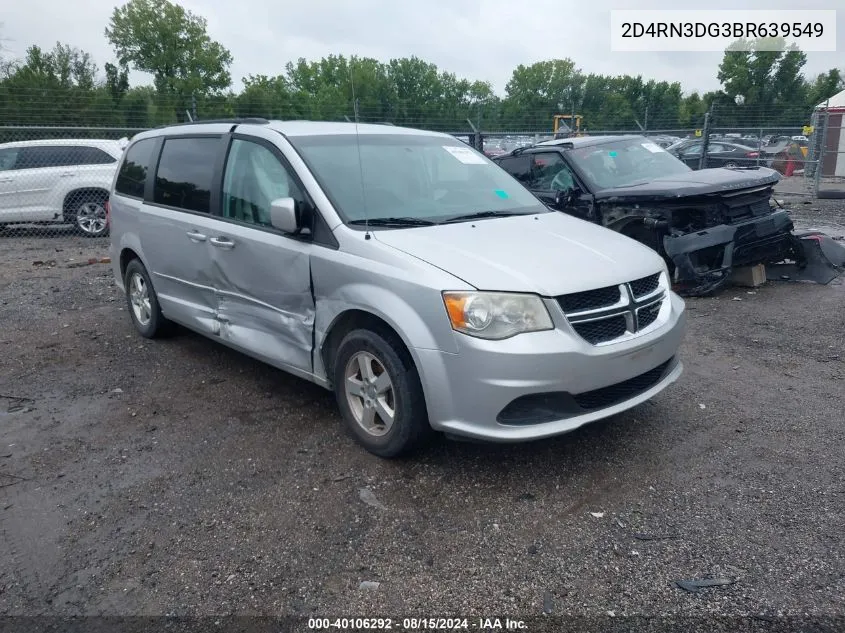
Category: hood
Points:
column 549, row 254
column 695, row 183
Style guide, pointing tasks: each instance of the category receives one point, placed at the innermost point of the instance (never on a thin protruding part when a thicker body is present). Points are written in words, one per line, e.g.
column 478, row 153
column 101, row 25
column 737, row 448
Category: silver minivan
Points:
column 399, row 268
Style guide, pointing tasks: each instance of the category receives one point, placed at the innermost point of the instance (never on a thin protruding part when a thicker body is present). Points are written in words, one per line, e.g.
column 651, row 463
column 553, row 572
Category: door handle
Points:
column 222, row 242
column 7, row 180
column 196, row 237
column 68, row 174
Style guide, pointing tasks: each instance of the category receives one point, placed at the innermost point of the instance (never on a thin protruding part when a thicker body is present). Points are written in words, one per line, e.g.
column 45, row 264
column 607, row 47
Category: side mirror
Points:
column 283, row 215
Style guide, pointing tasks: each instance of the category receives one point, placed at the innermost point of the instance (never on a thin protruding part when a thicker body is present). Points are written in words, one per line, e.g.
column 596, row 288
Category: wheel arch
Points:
column 74, row 196
column 127, row 254
column 357, row 318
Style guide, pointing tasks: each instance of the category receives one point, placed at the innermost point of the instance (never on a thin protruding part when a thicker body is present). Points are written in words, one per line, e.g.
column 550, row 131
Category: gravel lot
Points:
column 178, row 477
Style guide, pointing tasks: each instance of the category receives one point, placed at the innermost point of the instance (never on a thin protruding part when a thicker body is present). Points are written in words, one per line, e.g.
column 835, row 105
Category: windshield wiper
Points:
column 397, row 221
column 481, row 214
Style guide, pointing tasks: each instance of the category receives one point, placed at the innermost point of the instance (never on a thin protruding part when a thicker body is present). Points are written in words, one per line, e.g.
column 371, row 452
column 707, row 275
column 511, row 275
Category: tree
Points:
column 769, row 81
column 162, row 38
column 117, row 81
column 691, row 111
column 59, row 84
column 417, row 87
column 825, row 86
column 537, row 92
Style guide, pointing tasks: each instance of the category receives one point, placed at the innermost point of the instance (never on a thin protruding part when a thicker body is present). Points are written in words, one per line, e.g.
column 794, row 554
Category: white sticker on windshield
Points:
column 653, row 147
column 465, row 155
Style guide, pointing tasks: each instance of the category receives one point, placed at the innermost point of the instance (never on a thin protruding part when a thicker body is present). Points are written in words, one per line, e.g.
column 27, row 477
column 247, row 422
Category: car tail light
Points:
column 752, row 154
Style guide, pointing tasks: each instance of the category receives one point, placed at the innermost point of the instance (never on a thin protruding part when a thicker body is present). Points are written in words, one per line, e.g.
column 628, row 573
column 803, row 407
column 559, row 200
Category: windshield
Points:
column 625, row 162
column 410, row 176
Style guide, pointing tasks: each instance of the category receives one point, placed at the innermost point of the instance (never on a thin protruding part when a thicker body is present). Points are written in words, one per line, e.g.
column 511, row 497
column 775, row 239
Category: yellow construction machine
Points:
column 567, row 125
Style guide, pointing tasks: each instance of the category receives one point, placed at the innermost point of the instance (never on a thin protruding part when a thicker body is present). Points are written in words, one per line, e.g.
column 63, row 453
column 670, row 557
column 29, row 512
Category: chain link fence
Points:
column 55, row 180
column 828, row 152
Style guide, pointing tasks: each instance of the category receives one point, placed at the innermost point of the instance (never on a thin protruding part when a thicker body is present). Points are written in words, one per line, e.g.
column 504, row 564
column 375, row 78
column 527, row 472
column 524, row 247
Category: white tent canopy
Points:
column 836, row 101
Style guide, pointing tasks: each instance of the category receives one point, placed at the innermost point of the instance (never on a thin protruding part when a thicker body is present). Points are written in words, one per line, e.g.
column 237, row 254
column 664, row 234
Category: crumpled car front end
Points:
column 751, row 232
column 706, row 229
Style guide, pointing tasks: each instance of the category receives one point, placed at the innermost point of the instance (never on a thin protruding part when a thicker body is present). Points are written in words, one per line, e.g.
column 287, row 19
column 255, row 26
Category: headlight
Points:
column 496, row 315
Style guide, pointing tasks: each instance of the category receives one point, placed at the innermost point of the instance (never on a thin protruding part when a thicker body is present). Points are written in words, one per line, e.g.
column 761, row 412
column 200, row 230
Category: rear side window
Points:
column 133, row 172
column 185, row 173
column 83, row 155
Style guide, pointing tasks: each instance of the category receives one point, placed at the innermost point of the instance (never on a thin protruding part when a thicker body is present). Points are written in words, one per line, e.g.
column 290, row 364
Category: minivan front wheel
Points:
column 379, row 394
column 142, row 302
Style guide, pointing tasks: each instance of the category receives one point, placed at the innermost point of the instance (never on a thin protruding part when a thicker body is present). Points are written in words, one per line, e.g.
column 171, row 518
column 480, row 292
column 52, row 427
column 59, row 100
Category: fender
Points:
column 409, row 322
column 128, row 241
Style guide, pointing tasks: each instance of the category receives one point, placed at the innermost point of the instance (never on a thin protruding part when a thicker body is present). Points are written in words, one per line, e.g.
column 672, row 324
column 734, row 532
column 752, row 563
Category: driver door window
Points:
column 550, row 173
column 254, row 177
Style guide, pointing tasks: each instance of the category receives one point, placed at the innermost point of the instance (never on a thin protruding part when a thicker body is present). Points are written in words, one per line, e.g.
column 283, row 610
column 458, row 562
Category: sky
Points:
column 475, row 39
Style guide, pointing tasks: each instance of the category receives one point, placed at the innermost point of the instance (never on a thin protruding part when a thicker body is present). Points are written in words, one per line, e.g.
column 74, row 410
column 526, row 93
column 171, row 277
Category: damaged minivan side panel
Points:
column 346, row 295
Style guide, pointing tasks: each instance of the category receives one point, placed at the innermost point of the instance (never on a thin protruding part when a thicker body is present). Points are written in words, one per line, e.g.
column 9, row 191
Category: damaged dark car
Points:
column 704, row 223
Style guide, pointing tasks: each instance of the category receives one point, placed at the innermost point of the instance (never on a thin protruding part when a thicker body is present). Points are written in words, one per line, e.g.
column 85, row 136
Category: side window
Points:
column 8, row 158
column 133, row 172
column 85, row 155
column 254, row 177
column 41, row 156
column 550, row 173
column 519, row 167
column 185, row 173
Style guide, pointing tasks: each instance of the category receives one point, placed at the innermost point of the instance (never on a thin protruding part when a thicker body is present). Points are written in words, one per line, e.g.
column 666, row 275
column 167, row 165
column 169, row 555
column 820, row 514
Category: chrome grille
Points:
column 602, row 329
column 645, row 286
column 590, row 299
column 615, row 313
column 648, row 314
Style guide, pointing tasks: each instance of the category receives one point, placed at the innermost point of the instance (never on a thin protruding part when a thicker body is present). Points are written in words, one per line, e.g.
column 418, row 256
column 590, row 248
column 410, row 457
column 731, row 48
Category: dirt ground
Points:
column 178, row 477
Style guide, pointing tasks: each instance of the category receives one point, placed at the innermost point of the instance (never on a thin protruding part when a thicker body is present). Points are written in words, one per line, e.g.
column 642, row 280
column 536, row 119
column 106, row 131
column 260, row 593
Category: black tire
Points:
column 88, row 215
column 156, row 325
column 410, row 426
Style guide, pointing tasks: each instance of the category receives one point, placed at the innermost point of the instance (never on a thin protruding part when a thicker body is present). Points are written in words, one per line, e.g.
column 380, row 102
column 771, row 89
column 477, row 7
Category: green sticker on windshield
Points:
column 612, row 154
column 502, row 194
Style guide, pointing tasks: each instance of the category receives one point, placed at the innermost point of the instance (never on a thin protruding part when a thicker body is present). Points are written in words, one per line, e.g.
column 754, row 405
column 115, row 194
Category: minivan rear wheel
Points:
column 379, row 394
column 142, row 302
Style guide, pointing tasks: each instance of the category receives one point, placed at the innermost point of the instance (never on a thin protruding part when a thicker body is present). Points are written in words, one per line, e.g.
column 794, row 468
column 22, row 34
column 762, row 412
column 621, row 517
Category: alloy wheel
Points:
column 370, row 393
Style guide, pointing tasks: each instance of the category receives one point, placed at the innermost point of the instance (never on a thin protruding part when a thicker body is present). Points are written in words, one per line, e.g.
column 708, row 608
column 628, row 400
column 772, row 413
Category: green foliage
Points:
column 171, row 43
column 32, row 86
column 64, row 87
column 825, row 86
column 769, row 83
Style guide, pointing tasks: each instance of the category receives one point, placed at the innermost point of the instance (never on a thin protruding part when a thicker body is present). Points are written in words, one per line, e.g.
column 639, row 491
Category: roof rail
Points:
column 245, row 120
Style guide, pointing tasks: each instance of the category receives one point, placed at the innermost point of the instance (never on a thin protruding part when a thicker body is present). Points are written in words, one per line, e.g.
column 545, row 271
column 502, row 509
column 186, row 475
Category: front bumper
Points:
column 467, row 393
column 704, row 259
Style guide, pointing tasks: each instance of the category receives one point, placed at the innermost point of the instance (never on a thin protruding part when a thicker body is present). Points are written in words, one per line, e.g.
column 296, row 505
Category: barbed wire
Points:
column 146, row 108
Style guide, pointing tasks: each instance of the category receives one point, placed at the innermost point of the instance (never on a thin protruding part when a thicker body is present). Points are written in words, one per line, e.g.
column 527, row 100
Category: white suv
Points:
column 63, row 181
